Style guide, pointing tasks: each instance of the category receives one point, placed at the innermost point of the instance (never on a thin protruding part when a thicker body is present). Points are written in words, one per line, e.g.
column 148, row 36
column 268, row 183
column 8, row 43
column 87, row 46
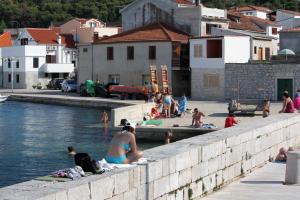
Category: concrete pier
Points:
column 187, row 169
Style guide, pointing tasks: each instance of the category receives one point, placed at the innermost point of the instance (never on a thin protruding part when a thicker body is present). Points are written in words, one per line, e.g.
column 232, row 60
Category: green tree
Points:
column 2, row 26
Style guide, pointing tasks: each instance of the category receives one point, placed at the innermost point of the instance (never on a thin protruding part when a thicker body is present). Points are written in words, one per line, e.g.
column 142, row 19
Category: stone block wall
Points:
column 182, row 170
column 258, row 81
column 134, row 113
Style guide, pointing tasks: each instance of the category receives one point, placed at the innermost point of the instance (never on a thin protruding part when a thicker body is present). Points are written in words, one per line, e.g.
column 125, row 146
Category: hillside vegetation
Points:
column 40, row 13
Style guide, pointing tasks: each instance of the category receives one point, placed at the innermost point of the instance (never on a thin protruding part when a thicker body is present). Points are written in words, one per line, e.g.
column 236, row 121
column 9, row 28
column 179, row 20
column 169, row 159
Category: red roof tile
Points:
column 152, row 32
column 49, row 36
column 250, row 8
column 184, row 2
column 250, row 23
column 5, row 40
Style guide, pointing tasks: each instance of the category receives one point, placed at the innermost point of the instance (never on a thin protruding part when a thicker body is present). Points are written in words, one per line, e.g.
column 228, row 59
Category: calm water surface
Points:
column 34, row 139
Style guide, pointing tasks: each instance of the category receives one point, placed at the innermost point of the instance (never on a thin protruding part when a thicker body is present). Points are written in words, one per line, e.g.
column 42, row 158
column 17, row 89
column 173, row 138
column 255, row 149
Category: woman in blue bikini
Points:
column 123, row 148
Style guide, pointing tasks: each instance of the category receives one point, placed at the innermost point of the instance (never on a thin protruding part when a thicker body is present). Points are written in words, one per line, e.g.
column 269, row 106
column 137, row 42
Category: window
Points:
column 198, row 51
column 211, row 80
column 65, row 75
column 50, row 59
column 17, row 64
column 9, row 78
column 85, row 50
column 255, row 50
column 110, row 53
column 114, row 78
column 130, row 53
column 274, row 31
column 24, row 41
column 46, row 75
column 35, row 62
column 152, row 52
column 214, row 48
column 9, row 63
column 209, row 28
column 18, row 78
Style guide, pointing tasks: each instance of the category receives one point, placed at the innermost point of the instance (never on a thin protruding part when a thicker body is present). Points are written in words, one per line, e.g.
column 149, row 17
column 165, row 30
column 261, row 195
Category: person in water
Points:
column 123, row 148
column 288, row 105
column 71, row 151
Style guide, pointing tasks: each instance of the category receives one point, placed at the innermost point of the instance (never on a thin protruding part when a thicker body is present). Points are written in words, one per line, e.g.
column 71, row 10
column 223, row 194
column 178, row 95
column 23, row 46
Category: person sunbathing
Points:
column 123, row 148
column 197, row 118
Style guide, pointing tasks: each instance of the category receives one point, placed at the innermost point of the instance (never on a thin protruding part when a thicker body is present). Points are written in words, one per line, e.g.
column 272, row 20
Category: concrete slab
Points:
column 264, row 183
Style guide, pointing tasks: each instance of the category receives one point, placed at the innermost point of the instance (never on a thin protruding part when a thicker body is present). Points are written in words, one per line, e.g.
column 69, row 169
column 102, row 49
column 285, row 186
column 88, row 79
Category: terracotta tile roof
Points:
column 250, row 8
column 291, row 12
column 49, row 36
column 184, row 2
column 5, row 40
column 152, row 32
column 290, row 30
column 249, row 23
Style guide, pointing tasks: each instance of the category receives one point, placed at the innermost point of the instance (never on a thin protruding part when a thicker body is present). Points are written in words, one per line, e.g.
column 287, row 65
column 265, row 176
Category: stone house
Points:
column 37, row 56
column 208, row 56
column 289, row 39
column 126, row 57
column 255, row 11
column 85, row 30
column 261, row 81
column 187, row 15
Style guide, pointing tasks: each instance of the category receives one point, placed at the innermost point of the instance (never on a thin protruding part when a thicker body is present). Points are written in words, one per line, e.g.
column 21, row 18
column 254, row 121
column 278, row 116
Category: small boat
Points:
column 3, row 98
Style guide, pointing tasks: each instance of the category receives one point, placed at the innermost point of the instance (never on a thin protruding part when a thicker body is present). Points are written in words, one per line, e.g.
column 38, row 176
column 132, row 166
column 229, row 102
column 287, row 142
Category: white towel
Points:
column 104, row 165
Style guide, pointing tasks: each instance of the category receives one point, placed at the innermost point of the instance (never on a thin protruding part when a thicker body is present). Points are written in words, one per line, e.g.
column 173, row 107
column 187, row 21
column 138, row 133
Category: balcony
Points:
column 57, row 68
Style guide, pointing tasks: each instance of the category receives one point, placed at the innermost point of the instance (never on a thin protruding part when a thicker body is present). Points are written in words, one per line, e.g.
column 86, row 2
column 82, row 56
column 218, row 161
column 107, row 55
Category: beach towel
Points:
column 154, row 122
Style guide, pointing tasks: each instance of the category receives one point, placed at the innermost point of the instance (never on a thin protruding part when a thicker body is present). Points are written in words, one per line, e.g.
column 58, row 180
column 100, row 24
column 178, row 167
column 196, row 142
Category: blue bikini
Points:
column 120, row 159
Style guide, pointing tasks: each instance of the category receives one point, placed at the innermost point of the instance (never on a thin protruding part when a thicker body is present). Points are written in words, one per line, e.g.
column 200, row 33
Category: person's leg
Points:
column 133, row 156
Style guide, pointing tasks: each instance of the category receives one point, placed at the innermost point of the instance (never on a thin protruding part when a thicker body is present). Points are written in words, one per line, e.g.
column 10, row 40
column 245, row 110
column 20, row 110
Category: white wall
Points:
column 237, row 49
column 204, row 62
column 214, row 12
column 255, row 13
column 107, row 31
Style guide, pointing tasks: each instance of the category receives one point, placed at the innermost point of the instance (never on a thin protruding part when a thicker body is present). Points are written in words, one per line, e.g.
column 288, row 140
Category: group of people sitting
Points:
column 290, row 106
column 166, row 106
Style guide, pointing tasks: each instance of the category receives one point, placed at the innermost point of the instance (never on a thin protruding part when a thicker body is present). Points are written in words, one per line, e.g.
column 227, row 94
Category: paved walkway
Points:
column 263, row 184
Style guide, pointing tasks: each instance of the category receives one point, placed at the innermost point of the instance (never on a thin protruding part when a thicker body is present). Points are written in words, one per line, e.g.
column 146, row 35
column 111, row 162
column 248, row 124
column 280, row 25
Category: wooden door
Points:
column 267, row 54
column 260, row 53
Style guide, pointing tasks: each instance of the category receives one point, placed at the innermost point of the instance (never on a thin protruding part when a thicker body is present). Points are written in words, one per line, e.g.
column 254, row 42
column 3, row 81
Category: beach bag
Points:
column 85, row 162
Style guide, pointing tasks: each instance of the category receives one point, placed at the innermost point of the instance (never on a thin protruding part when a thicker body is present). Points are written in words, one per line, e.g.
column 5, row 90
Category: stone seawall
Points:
column 134, row 113
column 185, row 169
column 70, row 101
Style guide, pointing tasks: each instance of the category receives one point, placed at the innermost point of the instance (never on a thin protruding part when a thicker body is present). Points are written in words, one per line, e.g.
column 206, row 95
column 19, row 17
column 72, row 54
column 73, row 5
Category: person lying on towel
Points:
column 123, row 148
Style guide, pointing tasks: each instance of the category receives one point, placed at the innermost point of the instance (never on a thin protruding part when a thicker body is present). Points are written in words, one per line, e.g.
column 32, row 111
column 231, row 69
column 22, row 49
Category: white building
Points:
column 288, row 19
column 255, row 11
column 187, row 15
column 37, row 56
column 208, row 56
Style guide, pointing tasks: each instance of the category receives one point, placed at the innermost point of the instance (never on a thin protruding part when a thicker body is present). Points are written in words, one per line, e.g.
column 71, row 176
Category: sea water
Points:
column 34, row 139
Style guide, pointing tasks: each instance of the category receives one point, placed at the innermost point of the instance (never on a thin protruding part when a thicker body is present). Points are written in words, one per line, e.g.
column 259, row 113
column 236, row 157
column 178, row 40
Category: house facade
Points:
column 85, row 30
column 126, row 58
column 187, row 15
column 289, row 39
column 208, row 56
column 37, row 56
column 5, row 41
